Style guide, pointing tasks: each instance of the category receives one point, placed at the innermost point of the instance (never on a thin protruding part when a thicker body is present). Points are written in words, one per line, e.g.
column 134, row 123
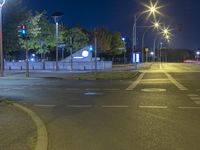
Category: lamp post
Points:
column 156, row 25
column 57, row 16
column 124, row 40
column 152, row 9
column 95, row 47
column 2, row 2
column 198, row 53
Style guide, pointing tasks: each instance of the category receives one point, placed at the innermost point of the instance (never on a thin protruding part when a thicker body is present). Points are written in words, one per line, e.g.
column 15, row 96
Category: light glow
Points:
column 152, row 9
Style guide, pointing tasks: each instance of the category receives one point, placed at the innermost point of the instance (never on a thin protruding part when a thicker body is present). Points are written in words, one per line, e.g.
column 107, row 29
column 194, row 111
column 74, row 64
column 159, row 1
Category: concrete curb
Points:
column 42, row 136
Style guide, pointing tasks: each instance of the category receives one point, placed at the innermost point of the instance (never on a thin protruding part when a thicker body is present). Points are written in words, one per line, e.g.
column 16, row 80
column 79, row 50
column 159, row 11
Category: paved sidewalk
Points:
column 17, row 130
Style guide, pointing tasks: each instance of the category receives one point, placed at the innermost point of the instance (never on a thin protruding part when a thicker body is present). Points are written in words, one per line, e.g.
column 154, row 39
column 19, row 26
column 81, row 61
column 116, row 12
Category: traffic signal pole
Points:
column 27, row 60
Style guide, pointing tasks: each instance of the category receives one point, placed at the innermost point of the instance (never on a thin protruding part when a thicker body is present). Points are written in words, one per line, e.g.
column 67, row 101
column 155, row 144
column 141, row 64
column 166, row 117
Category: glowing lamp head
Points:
column 198, row 53
column 151, row 53
column 85, row 53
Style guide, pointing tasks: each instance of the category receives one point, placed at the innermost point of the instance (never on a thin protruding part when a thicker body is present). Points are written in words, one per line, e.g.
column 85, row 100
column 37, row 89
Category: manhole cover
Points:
column 154, row 90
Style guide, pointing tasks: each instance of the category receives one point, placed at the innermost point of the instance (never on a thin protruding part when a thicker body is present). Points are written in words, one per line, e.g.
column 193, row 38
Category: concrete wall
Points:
column 50, row 65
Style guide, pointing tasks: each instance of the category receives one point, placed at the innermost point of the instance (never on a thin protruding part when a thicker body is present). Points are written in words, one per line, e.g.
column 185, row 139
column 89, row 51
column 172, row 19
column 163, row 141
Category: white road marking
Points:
column 176, row 83
column 153, row 81
column 195, row 98
column 92, row 89
column 183, row 107
column 38, row 105
column 197, row 102
column 135, row 83
column 153, row 90
column 192, row 95
column 79, row 106
column 42, row 135
column 111, row 89
column 160, row 66
column 72, row 89
column 154, row 107
column 114, row 106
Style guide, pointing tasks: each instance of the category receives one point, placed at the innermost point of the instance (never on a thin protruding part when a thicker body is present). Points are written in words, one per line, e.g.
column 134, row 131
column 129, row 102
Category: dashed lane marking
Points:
column 176, row 83
column 38, row 105
column 111, row 89
column 192, row 95
column 95, row 89
column 183, row 107
column 195, row 98
column 154, row 107
column 135, row 83
column 197, row 102
column 114, row 106
column 79, row 106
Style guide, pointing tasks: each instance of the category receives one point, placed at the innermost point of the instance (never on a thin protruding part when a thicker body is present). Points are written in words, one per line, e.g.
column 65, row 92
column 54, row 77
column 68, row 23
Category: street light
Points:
column 124, row 40
column 2, row 2
column 156, row 25
column 57, row 16
column 152, row 9
column 198, row 53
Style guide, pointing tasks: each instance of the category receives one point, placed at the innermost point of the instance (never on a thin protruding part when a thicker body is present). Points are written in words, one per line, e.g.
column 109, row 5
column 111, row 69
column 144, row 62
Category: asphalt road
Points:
column 158, row 110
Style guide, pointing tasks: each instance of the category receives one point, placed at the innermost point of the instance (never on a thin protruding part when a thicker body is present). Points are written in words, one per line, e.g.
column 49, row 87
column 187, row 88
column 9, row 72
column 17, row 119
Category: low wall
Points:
column 51, row 65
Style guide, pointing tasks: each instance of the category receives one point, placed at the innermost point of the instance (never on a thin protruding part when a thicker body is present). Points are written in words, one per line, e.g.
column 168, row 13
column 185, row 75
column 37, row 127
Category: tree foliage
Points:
column 13, row 15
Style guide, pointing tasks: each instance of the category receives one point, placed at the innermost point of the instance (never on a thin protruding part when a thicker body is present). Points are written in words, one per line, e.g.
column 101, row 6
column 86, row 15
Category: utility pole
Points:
column 134, row 40
column 57, row 34
column 95, row 43
column 71, row 49
column 27, row 59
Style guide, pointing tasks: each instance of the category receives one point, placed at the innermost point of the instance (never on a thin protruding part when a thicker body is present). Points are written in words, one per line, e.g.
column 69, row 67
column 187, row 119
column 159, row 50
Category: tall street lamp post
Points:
column 57, row 16
column 156, row 25
column 124, row 40
column 152, row 9
column 2, row 2
column 198, row 53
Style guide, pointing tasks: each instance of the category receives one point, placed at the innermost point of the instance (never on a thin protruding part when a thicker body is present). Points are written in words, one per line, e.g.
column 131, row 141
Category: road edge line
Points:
column 42, row 135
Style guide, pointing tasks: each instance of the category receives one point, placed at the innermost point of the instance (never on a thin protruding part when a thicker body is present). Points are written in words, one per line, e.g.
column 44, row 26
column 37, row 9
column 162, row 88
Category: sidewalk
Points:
column 17, row 130
column 71, row 75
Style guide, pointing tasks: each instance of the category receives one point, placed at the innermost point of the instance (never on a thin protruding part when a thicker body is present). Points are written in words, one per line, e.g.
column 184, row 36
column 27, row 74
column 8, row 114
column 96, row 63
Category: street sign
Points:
column 62, row 45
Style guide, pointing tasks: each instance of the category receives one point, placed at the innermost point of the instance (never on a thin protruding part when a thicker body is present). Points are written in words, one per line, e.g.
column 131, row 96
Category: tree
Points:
column 34, row 30
column 13, row 15
column 80, row 39
column 117, row 45
column 44, row 38
column 109, row 43
column 104, row 39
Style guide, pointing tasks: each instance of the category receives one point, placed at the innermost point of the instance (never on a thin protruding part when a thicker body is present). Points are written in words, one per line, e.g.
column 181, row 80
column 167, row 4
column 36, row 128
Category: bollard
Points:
column 21, row 68
column 9, row 67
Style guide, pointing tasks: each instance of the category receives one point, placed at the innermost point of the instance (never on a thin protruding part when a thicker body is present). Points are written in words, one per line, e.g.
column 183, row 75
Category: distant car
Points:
column 191, row 61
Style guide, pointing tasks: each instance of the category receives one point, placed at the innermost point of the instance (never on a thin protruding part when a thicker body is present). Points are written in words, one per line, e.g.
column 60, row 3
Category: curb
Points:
column 42, row 136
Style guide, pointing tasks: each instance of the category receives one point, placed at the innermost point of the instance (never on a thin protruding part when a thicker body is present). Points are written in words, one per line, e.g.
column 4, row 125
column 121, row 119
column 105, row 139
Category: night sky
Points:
column 117, row 15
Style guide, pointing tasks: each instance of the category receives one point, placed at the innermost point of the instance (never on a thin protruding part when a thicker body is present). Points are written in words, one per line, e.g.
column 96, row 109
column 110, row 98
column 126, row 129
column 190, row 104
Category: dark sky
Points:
column 117, row 15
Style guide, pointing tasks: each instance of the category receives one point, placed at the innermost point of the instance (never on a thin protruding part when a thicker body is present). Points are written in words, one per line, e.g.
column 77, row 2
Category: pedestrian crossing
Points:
column 195, row 98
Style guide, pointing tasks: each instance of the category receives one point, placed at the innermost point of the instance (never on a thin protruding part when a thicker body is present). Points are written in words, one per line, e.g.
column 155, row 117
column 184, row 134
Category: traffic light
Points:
column 22, row 32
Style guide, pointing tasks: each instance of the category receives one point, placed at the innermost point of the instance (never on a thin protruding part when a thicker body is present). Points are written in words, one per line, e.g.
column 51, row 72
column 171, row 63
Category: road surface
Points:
column 157, row 110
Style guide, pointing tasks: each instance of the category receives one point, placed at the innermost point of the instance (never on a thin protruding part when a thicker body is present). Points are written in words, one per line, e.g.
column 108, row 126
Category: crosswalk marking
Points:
column 135, row 83
column 176, row 83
